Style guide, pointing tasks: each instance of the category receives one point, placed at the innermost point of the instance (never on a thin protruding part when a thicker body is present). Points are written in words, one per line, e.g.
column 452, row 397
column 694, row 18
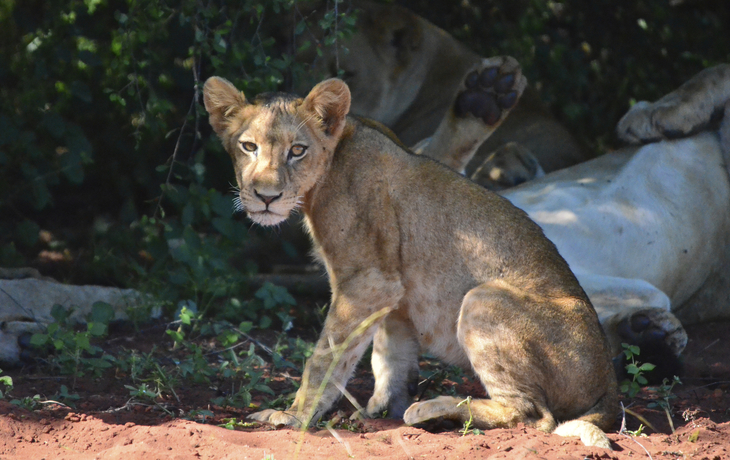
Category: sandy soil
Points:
column 105, row 426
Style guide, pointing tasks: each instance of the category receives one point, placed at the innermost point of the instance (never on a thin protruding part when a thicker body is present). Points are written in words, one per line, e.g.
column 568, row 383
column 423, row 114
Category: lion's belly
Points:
column 660, row 214
column 434, row 314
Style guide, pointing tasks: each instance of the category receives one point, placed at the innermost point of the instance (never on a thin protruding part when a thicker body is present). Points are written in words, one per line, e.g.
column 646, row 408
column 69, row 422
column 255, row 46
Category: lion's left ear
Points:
column 329, row 102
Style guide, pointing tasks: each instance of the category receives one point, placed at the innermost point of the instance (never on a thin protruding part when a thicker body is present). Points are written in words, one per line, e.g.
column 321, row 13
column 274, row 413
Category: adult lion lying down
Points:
column 646, row 229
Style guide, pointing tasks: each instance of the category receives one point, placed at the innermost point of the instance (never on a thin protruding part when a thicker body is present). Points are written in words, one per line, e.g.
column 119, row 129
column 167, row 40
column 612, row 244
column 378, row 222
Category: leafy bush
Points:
column 74, row 352
column 104, row 140
column 591, row 60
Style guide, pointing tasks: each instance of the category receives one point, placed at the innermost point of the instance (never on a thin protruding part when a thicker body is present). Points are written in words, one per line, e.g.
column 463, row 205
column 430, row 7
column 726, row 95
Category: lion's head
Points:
column 280, row 144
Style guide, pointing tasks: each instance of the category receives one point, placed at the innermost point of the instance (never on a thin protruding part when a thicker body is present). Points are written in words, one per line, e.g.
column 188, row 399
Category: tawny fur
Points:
column 452, row 268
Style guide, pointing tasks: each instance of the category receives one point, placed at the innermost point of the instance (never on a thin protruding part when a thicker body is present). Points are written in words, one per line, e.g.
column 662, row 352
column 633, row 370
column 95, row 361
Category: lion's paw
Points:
column 394, row 406
column 442, row 406
column 684, row 111
column 653, row 325
column 660, row 337
column 491, row 90
column 275, row 417
column 508, row 166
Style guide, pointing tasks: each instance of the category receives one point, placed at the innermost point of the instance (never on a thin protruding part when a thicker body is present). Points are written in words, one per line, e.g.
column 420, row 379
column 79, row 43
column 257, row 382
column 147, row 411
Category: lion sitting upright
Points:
column 420, row 259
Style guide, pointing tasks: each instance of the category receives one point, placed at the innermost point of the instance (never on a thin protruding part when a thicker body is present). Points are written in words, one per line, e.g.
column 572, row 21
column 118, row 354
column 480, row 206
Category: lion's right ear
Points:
column 222, row 100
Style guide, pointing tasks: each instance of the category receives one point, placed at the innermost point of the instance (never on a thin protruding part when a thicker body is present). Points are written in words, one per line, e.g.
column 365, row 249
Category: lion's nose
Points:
column 267, row 199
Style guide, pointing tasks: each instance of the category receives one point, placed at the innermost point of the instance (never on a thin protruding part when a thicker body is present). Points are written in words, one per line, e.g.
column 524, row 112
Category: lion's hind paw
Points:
column 660, row 338
column 688, row 109
column 491, row 90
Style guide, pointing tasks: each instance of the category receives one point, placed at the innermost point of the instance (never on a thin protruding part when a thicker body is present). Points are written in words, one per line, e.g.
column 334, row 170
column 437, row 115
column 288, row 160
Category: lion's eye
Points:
column 248, row 147
column 297, row 151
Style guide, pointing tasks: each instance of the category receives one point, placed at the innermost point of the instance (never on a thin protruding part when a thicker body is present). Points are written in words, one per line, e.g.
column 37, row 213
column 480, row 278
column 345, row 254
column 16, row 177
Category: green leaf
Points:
column 97, row 329
column 224, row 226
column 60, row 313
column 101, row 312
column 82, row 342
column 27, row 233
column 176, row 336
column 55, row 125
column 264, row 389
column 81, row 90
column 647, row 367
column 694, row 436
column 632, row 369
column 264, row 322
column 38, row 340
column 72, row 168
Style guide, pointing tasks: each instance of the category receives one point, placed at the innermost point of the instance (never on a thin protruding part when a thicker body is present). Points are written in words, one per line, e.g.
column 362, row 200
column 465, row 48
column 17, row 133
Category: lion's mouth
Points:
column 266, row 217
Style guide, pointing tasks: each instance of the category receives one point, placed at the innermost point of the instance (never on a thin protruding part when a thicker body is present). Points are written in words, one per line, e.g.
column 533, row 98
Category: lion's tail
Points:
column 588, row 426
column 589, row 433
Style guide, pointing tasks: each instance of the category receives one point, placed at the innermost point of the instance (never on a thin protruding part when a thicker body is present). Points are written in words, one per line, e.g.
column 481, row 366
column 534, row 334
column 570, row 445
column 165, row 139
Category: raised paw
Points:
column 275, row 417
column 442, row 406
column 491, row 90
column 684, row 111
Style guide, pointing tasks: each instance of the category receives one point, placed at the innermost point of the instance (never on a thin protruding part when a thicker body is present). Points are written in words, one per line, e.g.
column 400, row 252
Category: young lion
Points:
column 420, row 258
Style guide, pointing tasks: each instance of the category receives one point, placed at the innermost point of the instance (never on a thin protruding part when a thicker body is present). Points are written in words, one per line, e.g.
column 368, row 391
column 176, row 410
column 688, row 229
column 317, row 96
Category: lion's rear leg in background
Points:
column 535, row 367
column 690, row 108
column 487, row 95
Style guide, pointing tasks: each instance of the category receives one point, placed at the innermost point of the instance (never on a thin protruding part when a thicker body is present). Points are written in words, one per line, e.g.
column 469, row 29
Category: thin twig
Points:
column 708, row 346
column 623, row 432
column 177, row 142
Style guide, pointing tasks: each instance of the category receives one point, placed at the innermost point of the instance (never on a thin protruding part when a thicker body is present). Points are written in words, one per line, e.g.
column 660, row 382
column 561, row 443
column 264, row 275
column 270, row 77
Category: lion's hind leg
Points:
column 539, row 360
column 484, row 414
column 686, row 110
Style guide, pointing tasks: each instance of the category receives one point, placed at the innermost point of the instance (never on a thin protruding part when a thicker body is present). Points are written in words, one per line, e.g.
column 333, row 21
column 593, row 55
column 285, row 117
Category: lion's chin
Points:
column 266, row 218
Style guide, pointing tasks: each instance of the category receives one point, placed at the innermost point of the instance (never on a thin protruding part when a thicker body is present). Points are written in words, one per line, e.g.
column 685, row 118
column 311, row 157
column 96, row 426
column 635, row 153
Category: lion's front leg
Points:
column 357, row 310
column 395, row 366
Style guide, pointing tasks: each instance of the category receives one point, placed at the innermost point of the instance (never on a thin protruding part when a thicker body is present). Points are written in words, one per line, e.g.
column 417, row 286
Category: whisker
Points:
column 303, row 122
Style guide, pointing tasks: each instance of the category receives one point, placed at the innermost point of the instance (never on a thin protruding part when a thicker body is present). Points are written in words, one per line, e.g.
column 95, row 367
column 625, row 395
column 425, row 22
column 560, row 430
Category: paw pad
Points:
column 488, row 93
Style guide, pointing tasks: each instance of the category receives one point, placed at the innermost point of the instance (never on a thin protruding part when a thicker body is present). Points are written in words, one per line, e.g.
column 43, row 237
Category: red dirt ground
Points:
column 103, row 426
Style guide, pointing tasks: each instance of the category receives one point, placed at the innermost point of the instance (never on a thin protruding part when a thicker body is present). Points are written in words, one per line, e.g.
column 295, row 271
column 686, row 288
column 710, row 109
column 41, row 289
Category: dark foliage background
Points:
column 108, row 171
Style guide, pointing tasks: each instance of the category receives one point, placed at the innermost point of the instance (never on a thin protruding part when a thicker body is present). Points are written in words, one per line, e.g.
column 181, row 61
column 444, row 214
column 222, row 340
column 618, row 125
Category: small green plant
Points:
column 467, row 428
column 143, row 392
column 243, row 378
column 233, row 423
column 439, row 379
column 635, row 369
column 6, row 384
column 199, row 415
column 63, row 396
column 74, row 352
column 664, row 392
column 29, row 403
column 638, row 432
